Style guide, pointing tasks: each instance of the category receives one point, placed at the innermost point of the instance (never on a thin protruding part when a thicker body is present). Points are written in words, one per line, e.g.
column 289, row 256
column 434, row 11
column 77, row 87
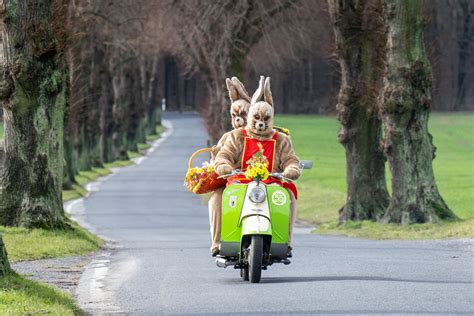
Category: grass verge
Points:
column 322, row 189
column 84, row 177
column 34, row 244
column 19, row 296
column 143, row 147
column 368, row 229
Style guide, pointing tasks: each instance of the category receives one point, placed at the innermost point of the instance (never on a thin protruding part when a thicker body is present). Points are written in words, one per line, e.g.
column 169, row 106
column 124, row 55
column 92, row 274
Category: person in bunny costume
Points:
column 260, row 131
column 240, row 103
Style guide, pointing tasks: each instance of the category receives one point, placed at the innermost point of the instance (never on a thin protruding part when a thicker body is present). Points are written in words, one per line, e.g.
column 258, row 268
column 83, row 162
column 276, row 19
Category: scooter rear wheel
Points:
column 255, row 259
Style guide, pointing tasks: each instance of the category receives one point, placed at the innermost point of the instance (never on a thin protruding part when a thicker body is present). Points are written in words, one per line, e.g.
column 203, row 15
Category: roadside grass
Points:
column 19, row 296
column 78, row 190
column 143, row 147
column 37, row 243
column 84, row 177
column 322, row 189
column 367, row 229
column 158, row 131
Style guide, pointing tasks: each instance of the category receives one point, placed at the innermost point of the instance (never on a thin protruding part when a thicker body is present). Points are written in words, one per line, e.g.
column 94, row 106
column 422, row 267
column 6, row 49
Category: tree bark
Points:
column 149, row 69
column 153, row 97
column 34, row 101
column 359, row 32
column 137, row 110
column 408, row 144
column 4, row 263
column 122, row 102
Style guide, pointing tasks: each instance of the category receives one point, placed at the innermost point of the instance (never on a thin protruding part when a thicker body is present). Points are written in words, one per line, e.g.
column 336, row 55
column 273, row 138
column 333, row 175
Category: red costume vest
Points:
column 251, row 147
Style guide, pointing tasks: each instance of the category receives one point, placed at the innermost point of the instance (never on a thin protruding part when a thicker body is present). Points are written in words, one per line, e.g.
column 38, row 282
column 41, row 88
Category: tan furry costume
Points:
column 230, row 154
column 260, row 126
column 239, row 109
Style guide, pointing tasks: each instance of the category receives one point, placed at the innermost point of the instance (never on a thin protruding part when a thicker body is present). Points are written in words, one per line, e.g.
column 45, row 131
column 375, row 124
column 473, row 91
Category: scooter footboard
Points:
column 230, row 249
column 279, row 250
column 256, row 225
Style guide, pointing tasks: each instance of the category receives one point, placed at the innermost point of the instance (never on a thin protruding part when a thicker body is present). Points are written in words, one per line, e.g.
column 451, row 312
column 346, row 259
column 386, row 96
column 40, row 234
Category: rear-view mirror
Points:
column 306, row 164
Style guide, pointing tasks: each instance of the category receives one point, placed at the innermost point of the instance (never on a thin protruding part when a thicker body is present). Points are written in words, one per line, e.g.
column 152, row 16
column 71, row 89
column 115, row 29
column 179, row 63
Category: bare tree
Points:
column 405, row 112
column 114, row 98
column 215, row 38
column 34, row 94
column 449, row 39
column 360, row 40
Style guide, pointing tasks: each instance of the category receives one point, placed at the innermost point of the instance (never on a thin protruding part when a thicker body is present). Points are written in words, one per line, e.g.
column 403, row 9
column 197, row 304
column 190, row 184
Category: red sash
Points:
column 252, row 146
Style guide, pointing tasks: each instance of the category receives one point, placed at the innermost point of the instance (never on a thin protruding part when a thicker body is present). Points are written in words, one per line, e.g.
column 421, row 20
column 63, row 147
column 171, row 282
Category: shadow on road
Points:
column 347, row 312
column 351, row 278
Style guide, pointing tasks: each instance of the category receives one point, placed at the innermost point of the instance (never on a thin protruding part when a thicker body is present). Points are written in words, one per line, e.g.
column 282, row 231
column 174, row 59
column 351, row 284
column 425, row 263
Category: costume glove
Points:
column 223, row 170
column 291, row 173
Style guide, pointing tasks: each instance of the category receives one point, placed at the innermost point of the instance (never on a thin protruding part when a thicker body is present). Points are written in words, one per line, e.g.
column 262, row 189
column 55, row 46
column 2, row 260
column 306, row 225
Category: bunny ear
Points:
column 258, row 93
column 243, row 94
column 267, row 93
column 233, row 94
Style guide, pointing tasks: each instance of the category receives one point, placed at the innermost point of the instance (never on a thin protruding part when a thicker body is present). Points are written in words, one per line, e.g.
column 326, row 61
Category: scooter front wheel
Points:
column 255, row 259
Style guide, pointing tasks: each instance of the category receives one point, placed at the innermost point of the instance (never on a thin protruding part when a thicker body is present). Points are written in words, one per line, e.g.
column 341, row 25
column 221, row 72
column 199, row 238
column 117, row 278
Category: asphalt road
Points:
column 159, row 262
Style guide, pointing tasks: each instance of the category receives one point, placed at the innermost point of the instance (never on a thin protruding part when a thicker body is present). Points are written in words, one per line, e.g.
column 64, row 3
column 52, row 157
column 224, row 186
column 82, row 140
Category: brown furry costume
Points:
column 260, row 126
column 239, row 108
column 230, row 155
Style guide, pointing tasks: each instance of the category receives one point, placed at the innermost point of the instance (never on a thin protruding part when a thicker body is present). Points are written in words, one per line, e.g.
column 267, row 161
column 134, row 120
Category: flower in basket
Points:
column 203, row 179
column 257, row 166
column 196, row 177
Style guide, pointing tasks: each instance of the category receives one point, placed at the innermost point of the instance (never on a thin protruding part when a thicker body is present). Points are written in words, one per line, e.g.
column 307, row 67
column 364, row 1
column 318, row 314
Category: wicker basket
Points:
column 207, row 183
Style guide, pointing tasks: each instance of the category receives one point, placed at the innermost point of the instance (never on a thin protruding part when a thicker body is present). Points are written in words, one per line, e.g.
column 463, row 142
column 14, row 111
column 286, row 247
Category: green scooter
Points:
column 255, row 225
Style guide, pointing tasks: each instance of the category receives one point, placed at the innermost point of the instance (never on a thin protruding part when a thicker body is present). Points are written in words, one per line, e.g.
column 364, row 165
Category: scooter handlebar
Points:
column 233, row 173
column 279, row 176
column 276, row 175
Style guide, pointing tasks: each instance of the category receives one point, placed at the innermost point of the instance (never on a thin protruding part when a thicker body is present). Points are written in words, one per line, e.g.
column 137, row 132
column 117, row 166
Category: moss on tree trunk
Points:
column 405, row 112
column 34, row 101
column 4, row 263
column 360, row 39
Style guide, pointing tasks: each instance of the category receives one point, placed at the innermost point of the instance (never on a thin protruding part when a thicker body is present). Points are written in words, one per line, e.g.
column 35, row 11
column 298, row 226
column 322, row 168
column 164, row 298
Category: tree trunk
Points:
column 360, row 38
column 153, row 97
column 34, row 101
column 120, row 112
column 91, row 153
column 109, row 125
column 405, row 112
column 136, row 131
column 4, row 263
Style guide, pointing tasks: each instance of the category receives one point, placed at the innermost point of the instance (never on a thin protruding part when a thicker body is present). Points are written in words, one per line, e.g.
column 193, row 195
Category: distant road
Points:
column 160, row 262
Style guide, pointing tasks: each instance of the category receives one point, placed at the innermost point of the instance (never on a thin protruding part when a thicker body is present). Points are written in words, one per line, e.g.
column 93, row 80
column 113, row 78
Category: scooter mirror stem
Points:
column 306, row 164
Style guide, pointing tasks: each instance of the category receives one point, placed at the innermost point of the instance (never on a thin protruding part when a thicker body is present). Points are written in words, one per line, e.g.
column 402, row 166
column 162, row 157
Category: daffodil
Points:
column 257, row 171
column 197, row 175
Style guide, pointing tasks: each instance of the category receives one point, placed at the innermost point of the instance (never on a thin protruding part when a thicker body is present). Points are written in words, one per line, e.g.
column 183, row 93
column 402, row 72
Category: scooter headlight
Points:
column 257, row 195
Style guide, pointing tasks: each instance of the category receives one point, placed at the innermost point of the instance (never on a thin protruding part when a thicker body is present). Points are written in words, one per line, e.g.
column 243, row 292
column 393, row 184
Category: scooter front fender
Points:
column 256, row 225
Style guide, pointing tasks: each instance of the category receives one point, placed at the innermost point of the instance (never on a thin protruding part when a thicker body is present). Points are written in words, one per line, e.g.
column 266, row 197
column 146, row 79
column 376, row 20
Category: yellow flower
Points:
column 257, row 171
column 196, row 175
